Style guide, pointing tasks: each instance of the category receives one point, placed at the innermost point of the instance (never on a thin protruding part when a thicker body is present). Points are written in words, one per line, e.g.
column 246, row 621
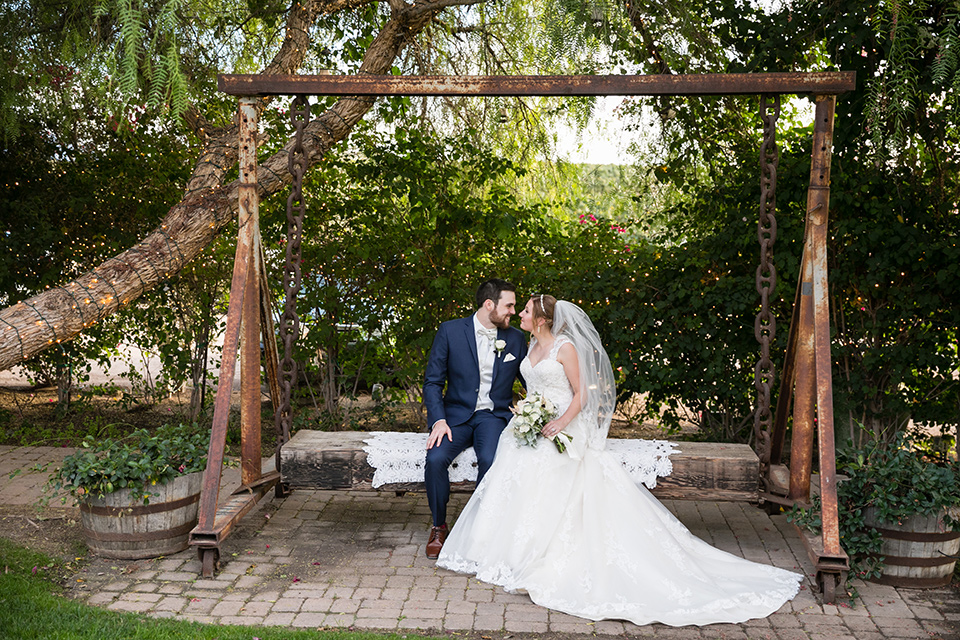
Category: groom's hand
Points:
column 440, row 429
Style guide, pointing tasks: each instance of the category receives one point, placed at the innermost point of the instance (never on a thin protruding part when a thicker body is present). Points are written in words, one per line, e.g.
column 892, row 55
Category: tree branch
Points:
column 653, row 51
column 61, row 313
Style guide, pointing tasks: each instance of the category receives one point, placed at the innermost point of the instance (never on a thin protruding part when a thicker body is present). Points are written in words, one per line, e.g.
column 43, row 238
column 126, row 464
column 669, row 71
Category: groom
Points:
column 478, row 358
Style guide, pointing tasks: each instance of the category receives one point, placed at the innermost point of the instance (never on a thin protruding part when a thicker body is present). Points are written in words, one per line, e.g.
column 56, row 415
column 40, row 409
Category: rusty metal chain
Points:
column 290, row 321
column 765, row 327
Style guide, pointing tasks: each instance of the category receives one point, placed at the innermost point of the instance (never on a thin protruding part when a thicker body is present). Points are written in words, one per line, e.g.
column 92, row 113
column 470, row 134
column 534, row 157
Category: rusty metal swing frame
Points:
column 806, row 380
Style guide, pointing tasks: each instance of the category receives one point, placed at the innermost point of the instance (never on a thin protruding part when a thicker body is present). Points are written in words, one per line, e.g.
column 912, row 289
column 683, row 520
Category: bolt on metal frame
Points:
column 806, row 381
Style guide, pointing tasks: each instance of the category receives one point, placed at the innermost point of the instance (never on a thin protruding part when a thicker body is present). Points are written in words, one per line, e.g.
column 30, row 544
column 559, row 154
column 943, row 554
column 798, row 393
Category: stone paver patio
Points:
column 356, row 560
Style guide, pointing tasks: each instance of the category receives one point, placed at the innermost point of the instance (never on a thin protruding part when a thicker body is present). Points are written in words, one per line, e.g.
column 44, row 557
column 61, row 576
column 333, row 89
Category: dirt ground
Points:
column 55, row 531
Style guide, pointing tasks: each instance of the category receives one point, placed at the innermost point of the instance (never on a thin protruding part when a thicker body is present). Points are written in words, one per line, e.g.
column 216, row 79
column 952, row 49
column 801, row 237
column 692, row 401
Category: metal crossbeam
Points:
column 831, row 82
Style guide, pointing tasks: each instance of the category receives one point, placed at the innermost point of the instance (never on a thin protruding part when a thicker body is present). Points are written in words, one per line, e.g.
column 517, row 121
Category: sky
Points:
column 604, row 141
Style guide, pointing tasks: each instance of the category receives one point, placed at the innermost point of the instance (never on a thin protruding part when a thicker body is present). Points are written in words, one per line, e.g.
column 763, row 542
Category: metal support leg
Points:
column 832, row 562
column 215, row 521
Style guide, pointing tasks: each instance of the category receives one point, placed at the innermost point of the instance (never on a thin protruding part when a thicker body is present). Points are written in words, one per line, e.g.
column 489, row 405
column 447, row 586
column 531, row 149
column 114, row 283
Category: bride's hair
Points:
column 543, row 306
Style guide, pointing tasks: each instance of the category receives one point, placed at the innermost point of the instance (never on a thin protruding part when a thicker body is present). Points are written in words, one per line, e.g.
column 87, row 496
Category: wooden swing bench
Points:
column 701, row 470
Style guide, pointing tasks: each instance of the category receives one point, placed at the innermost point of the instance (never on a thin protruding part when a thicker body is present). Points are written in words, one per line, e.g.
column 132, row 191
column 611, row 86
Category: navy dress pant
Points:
column 482, row 432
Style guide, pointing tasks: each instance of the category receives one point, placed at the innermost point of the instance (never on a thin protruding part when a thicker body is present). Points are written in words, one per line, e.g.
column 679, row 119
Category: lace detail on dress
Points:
column 557, row 343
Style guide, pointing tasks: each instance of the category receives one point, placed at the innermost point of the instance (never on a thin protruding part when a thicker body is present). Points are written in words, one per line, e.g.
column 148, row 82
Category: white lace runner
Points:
column 400, row 457
column 643, row 460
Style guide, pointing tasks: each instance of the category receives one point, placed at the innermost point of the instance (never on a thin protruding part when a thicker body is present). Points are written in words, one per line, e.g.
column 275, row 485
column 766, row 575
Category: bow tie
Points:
column 490, row 334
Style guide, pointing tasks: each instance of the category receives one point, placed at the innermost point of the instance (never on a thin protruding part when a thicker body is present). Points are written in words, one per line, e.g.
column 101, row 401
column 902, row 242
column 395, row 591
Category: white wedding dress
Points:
column 574, row 532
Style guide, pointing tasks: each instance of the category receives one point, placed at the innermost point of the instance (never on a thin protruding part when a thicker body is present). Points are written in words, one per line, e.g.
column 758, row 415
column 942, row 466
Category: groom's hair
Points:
column 491, row 290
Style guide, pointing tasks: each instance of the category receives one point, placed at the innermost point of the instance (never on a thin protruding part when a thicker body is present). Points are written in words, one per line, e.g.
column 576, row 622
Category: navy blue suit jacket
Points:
column 453, row 362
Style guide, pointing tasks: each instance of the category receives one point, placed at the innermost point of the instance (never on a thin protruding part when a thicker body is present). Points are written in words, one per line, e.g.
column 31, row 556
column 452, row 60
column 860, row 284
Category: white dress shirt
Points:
column 485, row 357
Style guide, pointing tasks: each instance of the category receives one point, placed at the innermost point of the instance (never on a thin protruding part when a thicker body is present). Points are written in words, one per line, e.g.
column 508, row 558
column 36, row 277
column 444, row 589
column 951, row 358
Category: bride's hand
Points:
column 552, row 428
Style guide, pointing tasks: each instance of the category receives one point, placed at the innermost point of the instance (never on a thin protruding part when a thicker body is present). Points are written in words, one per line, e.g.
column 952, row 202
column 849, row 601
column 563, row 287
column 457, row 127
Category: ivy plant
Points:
column 896, row 480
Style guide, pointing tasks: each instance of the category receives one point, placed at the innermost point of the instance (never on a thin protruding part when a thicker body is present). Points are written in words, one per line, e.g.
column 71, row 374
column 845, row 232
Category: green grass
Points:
column 30, row 608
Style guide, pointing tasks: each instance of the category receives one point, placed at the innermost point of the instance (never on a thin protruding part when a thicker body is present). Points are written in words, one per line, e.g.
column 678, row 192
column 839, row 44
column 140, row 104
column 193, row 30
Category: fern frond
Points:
column 131, row 27
column 948, row 54
column 158, row 83
column 179, row 94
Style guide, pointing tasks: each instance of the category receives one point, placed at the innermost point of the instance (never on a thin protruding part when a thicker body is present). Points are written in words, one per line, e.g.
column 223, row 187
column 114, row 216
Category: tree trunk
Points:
column 61, row 313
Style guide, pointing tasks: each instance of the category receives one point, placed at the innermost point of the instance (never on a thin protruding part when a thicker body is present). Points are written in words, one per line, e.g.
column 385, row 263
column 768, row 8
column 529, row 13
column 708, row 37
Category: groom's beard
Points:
column 501, row 322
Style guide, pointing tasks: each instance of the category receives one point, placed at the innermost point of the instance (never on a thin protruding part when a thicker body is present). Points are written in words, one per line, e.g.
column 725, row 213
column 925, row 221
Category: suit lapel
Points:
column 501, row 334
column 471, row 338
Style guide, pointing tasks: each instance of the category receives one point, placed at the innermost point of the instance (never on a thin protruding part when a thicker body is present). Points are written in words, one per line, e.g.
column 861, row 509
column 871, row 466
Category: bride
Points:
column 572, row 529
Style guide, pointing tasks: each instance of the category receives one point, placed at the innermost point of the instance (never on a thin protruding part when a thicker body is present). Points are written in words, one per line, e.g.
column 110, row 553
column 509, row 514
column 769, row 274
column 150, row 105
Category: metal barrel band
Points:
column 139, row 510
column 913, row 583
column 918, row 536
column 914, row 561
column 145, row 536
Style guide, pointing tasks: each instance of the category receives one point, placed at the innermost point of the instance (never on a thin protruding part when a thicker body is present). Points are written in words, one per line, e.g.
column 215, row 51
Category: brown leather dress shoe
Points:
column 437, row 537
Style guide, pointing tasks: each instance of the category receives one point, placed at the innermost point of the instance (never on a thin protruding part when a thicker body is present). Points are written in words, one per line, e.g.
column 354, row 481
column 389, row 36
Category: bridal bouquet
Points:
column 530, row 416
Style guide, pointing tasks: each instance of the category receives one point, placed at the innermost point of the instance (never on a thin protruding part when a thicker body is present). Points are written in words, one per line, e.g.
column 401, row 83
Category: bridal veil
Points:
column 597, row 385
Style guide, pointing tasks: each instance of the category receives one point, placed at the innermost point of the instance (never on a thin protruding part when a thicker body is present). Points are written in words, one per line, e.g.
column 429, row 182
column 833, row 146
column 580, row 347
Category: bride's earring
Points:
column 538, row 330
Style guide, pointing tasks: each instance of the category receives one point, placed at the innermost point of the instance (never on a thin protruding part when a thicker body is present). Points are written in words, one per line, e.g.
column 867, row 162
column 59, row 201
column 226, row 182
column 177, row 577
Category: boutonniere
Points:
column 500, row 345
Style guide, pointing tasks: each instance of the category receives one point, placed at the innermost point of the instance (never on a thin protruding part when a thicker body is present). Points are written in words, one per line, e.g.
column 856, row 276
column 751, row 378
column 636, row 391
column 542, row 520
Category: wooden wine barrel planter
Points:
column 920, row 552
column 116, row 526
